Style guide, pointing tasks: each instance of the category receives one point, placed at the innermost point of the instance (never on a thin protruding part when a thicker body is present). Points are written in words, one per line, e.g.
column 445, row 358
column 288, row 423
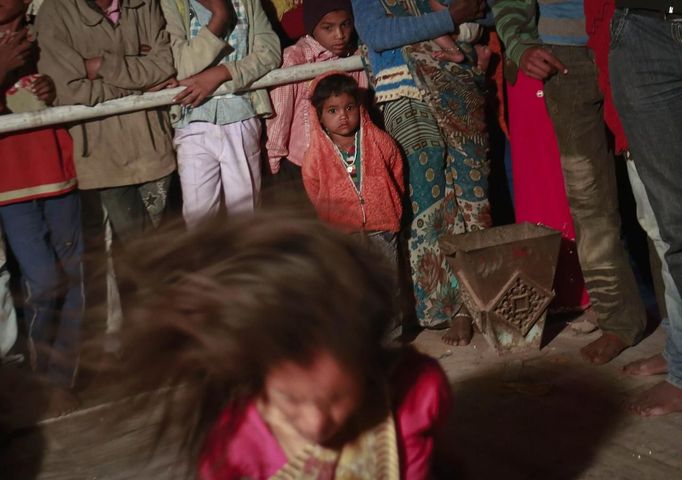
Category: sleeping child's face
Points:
column 316, row 399
column 335, row 32
column 340, row 115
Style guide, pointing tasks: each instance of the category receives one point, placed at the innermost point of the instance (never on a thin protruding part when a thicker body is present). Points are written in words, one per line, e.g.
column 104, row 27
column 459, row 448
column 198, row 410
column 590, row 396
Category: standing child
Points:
column 218, row 140
column 352, row 170
column 275, row 331
column 40, row 215
column 331, row 36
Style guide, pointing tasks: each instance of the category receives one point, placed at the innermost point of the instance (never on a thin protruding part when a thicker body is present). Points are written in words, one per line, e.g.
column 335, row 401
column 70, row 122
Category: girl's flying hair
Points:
column 215, row 308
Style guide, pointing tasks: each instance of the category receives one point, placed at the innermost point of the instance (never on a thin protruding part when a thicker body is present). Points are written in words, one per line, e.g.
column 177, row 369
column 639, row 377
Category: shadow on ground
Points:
column 529, row 424
column 23, row 401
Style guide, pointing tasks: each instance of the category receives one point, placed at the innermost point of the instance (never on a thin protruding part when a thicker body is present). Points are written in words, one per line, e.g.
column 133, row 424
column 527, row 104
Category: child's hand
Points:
column 43, row 87
column 201, row 85
column 92, row 66
column 15, row 49
column 170, row 83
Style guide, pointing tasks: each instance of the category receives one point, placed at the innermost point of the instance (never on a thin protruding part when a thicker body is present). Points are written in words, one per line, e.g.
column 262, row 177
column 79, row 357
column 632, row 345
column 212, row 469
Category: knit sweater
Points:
column 377, row 206
column 385, row 35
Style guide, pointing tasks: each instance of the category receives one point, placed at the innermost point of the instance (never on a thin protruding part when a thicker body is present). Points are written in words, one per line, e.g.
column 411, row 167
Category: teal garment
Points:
column 357, row 178
column 223, row 109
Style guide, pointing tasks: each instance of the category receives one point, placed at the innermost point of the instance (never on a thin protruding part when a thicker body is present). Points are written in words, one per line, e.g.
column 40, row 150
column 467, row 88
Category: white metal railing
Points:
column 75, row 113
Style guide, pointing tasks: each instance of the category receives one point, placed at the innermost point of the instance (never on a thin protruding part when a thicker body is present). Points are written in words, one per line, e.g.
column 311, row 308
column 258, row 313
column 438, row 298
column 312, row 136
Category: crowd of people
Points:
column 391, row 159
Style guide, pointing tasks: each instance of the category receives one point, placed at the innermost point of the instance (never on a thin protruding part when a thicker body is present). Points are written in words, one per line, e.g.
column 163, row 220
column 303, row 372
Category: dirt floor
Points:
column 549, row 415
column 541, row 415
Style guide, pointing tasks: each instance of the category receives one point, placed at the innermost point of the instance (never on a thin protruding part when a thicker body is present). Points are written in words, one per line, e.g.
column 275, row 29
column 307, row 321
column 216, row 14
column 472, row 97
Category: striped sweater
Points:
column 559, row 22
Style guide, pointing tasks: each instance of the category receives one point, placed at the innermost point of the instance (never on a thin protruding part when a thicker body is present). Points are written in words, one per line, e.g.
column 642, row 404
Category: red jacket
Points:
column 35, row 164
column 332, row 191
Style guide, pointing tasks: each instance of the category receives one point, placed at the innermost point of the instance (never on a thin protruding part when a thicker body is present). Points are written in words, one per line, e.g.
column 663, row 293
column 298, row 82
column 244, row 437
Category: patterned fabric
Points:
column 448, row 194
column 230, row 108
column 155, row 195
column 374, row 454
column 445, row 141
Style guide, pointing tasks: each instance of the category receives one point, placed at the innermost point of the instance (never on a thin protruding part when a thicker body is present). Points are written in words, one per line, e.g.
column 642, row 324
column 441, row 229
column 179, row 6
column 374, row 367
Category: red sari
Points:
column 539, row 192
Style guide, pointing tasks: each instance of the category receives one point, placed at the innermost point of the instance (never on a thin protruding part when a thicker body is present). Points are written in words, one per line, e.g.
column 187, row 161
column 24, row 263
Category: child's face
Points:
column 335, row 32
column 341, row 115
column 10, row 10
column 317, row 399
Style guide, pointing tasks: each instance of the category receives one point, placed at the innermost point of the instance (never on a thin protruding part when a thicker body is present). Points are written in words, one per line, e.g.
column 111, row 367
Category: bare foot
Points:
column 454, row 55
column 483, row 53
column 460, row 331
column 585, row 323
column 661, row 399
column 604, row 349
column 655, row 365
column 62, row 401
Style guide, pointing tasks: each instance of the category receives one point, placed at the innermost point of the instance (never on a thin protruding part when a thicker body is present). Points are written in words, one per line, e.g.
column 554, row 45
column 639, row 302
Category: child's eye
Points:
column 350, row 108
column 331, row 110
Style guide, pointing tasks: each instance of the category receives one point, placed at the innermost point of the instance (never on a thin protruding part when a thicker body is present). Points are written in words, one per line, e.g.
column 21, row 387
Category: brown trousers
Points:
column 575, row 105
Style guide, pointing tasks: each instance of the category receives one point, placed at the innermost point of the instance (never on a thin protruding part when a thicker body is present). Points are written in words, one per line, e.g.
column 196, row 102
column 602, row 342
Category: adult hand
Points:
column 92, row 66
column 43, row 87
column 201, row 85
column 15, row 49
column 538, row 62
column 466, row 10
column 170, row 83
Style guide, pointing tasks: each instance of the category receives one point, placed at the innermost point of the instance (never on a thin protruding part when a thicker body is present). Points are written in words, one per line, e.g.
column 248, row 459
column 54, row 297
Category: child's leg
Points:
column 154, row 196
column 8, row 318
column 198, row 147
column 63, row 217
column 27, row 235
column 483, row 55
column 450, row 52
column 240, row 165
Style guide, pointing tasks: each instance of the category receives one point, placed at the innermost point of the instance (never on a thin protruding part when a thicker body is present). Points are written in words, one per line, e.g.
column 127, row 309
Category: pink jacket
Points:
column 246, row 448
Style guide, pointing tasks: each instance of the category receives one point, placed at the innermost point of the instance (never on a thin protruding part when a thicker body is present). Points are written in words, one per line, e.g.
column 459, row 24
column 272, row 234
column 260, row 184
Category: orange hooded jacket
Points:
column 378, row 204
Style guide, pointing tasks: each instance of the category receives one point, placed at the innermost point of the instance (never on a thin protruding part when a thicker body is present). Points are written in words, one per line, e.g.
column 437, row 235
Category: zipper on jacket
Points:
column 357, row 190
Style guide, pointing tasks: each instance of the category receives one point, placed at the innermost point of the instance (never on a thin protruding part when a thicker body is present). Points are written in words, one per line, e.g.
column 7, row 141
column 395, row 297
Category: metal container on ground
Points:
column 506, row 276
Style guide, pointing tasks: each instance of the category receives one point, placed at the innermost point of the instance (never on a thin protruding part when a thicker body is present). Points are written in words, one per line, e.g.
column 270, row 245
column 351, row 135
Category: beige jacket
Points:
column 124, row 149
column 196, row 54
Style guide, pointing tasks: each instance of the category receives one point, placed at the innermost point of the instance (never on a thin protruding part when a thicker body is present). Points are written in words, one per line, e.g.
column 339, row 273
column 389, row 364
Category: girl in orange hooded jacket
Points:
column 352, row 170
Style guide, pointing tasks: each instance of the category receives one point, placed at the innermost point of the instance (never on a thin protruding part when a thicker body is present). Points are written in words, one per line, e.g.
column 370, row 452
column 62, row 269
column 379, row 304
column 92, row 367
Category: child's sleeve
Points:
column 424, row 401
column 283, row 100
column 191, row 56
column 142, row 71
column 59, row 60
column 265, row 55
column 310, row 171
column 396, row 166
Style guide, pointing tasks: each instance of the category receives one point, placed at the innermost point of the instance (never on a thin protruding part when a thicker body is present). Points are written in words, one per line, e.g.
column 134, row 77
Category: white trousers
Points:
column 218, row 162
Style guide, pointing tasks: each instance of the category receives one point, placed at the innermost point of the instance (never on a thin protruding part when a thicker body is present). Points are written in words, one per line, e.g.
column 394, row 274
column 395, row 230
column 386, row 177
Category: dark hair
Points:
column 334, row 84
column 215, row 308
